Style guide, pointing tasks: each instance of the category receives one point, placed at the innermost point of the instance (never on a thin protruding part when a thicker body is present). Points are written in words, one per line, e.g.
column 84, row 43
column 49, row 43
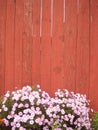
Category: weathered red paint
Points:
column 58, row 51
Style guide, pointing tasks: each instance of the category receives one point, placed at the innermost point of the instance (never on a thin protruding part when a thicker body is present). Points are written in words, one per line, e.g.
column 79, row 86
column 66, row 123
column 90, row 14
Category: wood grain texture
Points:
column 82, row 70
column 27, row 43
column 70, row 45
column 36, row 43
column 18, row 42
column 57, row 46
column 10, row 48
column 93, row 91
column 2, row 45
column 46, row 46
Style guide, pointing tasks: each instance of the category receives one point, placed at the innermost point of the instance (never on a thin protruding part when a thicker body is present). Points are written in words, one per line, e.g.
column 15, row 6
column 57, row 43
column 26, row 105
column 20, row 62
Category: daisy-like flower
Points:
column 33, row 108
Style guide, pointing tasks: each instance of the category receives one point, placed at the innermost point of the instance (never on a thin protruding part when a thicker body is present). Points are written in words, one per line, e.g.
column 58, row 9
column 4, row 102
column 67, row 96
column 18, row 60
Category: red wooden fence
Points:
column 53, row 43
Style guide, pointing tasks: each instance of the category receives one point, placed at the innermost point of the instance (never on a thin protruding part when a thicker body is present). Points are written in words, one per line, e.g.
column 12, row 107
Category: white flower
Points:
column 38, row 86
column 7, row 94
column 31, row 122
column 22, row 128
column 38, row 121
column 30, row 107
column 0, row 110
column 6, row 122
column 28, row 87
column 20, row 105
column 9, row 117
column 5, row 109
column 62, row 111
column 17, row 125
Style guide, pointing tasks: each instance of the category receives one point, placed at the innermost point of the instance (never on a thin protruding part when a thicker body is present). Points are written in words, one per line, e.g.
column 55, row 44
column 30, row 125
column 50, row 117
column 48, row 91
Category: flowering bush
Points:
column 33, row 109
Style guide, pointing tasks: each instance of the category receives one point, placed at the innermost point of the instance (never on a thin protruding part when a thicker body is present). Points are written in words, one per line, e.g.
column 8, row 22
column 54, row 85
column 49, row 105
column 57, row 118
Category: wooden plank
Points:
column 82, row 74
column 2, row 45
column 93, row 92
column 70, row 44
column 18, row 42
column 27, row 42
column 36, row 43
column 9, row 54
column 57, row 46
column 46, row 46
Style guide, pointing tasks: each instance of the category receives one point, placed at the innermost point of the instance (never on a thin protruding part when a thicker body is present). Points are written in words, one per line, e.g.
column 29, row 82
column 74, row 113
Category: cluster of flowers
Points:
column 34, row 109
